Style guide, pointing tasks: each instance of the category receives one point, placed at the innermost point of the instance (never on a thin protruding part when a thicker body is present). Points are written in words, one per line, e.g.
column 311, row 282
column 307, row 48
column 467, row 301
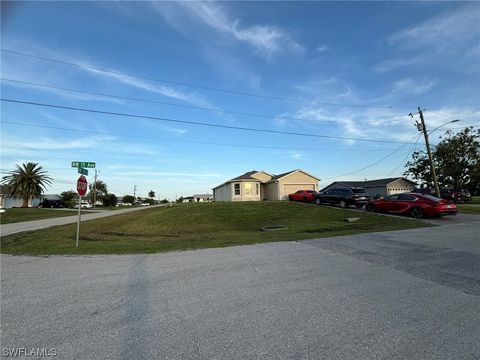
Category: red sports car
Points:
column 303, row 195
column 413, row 204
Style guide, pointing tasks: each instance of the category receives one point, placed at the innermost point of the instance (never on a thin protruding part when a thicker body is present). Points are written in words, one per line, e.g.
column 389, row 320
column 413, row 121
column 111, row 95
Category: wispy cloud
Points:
column 411, row 86
column 296, row 156
column 322, row 48
column 440, row 38
column 268, row 40
column 44, row 72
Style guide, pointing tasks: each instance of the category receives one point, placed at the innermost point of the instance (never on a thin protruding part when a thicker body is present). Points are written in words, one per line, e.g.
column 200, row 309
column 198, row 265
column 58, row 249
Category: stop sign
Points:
column 82, row 185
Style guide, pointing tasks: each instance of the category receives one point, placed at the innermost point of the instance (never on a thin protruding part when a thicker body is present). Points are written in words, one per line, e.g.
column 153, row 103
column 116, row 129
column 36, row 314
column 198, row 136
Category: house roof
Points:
column 279, row 176
column 248, row 176
column 368, row 183
column 203, row 195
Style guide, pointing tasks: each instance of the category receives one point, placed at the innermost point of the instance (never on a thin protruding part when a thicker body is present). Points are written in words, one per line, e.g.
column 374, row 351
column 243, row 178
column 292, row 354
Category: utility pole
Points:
column 95, row 190
column 430, row 158
column 134, row 192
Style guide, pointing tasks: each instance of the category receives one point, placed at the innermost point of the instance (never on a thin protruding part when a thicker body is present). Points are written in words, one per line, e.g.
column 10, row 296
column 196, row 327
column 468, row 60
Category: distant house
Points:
column 7, row 201
column 260, row 185
column 379, row 187
column 202, row 198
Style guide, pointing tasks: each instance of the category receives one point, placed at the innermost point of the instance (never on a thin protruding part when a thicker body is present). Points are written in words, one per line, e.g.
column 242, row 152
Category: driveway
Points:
column 410, row 294
column 8, row 229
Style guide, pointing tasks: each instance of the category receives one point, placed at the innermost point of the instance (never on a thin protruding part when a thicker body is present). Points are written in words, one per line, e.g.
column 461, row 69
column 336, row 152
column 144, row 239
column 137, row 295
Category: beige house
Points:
column 379, row 187
column 260, row 185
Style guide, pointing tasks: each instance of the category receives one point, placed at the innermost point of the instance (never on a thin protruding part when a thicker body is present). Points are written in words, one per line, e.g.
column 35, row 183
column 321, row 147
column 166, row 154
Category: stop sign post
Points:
column 81, row 190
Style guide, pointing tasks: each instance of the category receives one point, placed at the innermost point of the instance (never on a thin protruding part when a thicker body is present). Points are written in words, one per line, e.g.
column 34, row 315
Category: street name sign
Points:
column 82, row 171
column 83, row 164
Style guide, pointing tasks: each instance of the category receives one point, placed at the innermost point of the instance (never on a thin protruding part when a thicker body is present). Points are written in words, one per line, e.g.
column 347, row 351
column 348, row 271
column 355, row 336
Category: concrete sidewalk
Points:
column 8, row 229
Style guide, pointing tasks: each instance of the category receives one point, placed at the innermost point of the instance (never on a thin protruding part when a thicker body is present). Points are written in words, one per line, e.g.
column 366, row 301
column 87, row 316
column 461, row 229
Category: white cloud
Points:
column 437, row 40
column 164, row 90
column 444, row 32
column 411, row 86
column 296, row 156
column 322, row 48
column 268, row 40
column 44, row 72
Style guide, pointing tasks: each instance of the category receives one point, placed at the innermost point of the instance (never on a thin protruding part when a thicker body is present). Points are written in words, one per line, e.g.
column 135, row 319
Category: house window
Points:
column 248, row 188
column 258, row 188
column 236, row 188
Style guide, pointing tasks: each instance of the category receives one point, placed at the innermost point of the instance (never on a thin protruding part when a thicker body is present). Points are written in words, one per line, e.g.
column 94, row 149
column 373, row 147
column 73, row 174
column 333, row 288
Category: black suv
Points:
column 344, row 197
column 51, row 204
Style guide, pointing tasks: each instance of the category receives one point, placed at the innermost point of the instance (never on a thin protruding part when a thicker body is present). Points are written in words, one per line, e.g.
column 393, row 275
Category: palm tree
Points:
column 27, row 181
column 151, row 194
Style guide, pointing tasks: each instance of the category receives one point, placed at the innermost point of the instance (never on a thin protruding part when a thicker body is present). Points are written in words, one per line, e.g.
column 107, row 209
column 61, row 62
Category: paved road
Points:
column 8, row 229
column 410, row 294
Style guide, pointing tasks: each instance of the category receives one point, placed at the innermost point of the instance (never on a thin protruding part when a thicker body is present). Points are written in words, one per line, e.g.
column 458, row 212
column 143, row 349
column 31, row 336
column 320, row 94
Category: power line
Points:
column 199, row 123
column 183, row 141
column 48, row 86
column 374, row 163
column 406, row 157
column 178, row 83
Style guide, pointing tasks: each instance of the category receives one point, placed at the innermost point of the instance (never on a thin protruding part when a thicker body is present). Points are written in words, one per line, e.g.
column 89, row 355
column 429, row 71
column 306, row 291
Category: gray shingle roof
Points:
column 275, row 177
column 246, row 176
column 369, row 183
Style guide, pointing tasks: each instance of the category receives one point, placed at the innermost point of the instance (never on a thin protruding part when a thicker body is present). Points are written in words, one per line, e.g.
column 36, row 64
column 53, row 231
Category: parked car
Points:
column 303, row 195
column 52, row 204
column 413, row 204
column 344, row 197
column 84, row 204
column 455, row 195
column 145, row 204
column 447, row 194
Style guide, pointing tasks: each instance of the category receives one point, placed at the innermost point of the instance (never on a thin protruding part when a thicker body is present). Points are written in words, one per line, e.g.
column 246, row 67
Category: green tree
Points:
column 69, row 198
column 128, row 199
column 151, row 194
column 27, row 181
column 101, row 190
column 456, row 159
column 109, row 200
column 69, row 195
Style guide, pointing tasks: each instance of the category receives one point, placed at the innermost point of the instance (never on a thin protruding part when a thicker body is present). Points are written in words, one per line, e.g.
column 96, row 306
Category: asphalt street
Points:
column 410, row 294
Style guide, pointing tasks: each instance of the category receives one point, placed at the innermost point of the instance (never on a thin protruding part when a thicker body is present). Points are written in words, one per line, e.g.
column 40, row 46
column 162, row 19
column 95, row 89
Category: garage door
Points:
column 291, row 188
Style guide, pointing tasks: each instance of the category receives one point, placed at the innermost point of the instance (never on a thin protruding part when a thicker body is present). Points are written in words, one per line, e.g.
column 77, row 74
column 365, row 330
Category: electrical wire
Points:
column 406, row 157
column 372, row 164
column 49, row 86
column 230, row 127
column 178, row 83
column 184, row 141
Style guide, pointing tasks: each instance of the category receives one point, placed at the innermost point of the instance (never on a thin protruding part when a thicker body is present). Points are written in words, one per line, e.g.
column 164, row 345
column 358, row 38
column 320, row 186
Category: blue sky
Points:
column 342, row 69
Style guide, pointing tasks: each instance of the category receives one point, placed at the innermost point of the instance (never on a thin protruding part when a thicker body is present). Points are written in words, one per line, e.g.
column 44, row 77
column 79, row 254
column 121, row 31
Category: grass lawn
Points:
column 475, row 200
column 28, row 214
column 468, row 209
column 195, row 226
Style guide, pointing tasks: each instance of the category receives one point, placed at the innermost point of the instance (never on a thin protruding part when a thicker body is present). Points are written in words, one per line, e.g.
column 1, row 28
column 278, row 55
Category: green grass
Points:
column 475, row 200
column 28, row 214
column 468, row 209
column 195, row 226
